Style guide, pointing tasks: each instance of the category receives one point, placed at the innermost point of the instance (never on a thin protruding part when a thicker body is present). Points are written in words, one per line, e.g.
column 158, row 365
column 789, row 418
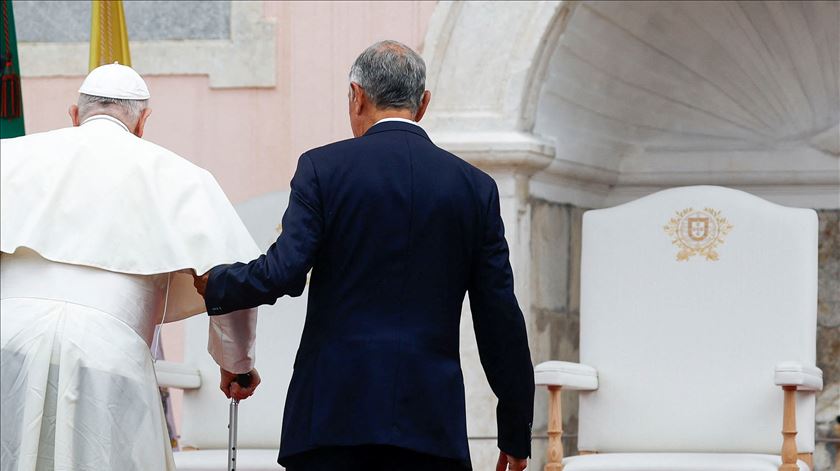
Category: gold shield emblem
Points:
column 698, row 232
column 698, row 228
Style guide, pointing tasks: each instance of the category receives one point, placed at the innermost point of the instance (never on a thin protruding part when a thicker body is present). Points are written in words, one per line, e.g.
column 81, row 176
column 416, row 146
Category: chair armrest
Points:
column 566, row 375
column 805, row 378
column 177, row 375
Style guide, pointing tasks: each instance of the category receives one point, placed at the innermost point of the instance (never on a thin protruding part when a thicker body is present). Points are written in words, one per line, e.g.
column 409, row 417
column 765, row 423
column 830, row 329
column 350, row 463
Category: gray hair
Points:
column 393, row 75
column 127, row 111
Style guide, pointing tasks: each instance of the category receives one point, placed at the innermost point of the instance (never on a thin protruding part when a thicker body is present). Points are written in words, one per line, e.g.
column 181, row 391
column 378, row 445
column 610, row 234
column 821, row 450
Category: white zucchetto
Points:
column 115, row 81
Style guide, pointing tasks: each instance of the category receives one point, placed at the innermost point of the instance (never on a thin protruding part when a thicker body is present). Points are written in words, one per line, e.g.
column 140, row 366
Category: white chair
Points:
column 697, row 337
column 204, row 421
column 203, row 430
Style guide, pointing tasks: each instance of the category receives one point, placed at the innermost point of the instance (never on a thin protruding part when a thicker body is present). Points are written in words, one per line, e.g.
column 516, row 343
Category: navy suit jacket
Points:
column 396, row 232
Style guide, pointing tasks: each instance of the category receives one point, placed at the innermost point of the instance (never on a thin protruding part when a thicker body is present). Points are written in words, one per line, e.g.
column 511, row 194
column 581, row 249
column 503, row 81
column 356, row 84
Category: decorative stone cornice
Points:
column 246, row 59
column 496, row 152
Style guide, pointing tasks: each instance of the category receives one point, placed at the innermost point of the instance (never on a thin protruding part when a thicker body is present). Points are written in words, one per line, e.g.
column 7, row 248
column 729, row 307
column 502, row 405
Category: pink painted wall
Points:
column 250, row 139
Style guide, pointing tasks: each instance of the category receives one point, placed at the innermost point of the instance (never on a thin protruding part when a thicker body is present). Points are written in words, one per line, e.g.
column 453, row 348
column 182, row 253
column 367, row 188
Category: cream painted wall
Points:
column 250, row 138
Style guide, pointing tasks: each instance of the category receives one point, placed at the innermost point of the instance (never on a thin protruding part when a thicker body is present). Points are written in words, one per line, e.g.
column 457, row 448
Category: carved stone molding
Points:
column 246, row 59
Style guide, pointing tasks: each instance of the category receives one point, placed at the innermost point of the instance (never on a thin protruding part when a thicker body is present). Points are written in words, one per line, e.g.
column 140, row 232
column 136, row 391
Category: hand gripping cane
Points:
column 244, row 380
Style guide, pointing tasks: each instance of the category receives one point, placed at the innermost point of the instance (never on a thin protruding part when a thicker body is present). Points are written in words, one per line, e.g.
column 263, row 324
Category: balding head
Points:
column 117, row 91
column 132, row 113
column 127, row 111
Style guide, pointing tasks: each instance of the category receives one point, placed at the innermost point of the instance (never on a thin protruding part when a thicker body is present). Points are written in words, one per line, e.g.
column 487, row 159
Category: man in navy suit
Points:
column 396, row 231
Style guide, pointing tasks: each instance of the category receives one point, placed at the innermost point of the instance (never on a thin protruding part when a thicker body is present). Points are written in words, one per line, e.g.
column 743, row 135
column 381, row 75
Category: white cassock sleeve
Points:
column 231, row 340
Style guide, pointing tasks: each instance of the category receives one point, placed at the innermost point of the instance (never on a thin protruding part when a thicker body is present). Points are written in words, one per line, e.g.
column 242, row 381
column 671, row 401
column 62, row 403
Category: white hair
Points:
column 127, row 111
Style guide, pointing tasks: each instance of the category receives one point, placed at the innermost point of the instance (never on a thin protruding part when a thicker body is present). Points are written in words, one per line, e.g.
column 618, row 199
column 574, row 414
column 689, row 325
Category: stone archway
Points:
column 746, row 90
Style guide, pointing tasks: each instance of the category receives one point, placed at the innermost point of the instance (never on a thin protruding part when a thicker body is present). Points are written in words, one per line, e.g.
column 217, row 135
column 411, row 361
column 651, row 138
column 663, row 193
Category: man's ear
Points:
column 357, row 99
column 424, row 103
column 74, row 115
column 141, row 122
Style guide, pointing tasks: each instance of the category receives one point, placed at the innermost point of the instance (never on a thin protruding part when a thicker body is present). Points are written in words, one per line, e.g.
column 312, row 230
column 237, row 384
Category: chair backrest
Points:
column 689, row 298
column 205, row 410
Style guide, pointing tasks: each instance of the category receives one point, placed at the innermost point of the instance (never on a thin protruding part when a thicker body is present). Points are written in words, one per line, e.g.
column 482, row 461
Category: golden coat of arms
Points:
column 697, row 232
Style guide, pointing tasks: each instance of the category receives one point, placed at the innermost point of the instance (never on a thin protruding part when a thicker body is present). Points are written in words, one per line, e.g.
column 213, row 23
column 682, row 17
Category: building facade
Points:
column 568, row 105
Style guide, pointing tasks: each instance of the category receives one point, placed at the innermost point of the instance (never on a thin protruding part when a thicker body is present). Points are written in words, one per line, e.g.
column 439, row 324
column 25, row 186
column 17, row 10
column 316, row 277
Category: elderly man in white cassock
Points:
column 101, row 232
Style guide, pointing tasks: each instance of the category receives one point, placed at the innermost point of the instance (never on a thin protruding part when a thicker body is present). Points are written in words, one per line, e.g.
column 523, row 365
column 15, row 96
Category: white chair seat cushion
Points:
column 675, row 462
column 216, row 460
column 566, row 374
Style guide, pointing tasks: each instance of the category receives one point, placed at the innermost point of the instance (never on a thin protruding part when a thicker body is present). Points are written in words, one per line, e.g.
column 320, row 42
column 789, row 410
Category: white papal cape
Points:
column 96, row 227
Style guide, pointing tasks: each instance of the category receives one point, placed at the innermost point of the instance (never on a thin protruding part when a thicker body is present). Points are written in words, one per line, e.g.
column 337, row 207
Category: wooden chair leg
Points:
column 555, row 430
column 808, row 458
column 789, row 455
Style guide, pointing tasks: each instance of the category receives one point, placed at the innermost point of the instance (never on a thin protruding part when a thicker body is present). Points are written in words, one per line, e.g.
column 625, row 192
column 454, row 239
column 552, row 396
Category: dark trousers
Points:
column 370, row 458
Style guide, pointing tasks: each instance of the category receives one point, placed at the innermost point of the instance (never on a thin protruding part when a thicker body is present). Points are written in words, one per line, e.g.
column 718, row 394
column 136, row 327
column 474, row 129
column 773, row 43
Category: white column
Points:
column 511, row 164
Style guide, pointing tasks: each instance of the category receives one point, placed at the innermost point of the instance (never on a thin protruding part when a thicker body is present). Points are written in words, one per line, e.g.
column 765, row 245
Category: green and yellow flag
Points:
column 11, row 105
column 108, row 34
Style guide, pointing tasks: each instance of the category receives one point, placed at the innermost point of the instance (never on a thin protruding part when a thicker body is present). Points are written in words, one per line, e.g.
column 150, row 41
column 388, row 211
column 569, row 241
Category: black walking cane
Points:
column 244, row 380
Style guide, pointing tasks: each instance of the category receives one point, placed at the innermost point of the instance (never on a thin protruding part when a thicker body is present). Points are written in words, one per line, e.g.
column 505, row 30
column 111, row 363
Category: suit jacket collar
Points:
column 397, row 126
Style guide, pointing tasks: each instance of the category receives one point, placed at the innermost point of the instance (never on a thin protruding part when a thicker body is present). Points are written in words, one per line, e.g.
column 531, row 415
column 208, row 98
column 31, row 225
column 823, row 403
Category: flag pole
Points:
column 11, row 102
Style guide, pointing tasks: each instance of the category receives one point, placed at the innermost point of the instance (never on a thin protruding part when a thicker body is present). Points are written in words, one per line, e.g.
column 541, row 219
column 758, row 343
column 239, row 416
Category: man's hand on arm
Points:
column 509, row 463
column 282, row 269
column 233, row 389
column 200, row 283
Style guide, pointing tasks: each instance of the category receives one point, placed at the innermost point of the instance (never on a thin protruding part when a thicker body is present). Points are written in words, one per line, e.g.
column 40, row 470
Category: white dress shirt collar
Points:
column 401, row 120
